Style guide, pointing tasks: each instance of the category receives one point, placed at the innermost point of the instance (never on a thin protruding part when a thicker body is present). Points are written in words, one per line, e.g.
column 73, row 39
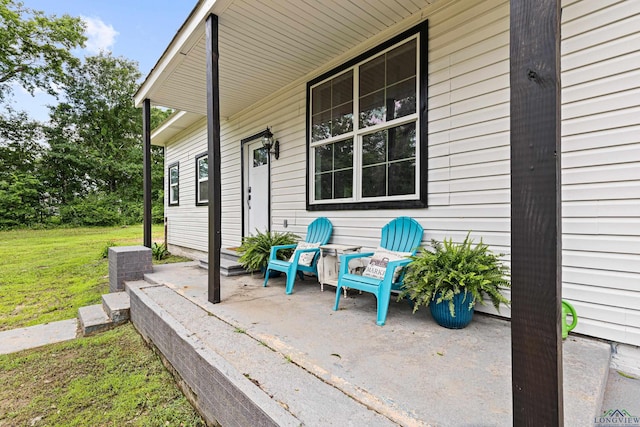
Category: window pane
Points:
column 374, row 148
column 343, row 184
column 203, row 187
column 173, row 185
column 388, row 86
column 324, row 158
column 323, row 186
column 388, row 159
column 372, row 109
column 203, row 167
column 321, row 96
column 401, row 99
column 321, row 126
column 259, row 157
column 401, row 62
column 332, row 107
column 334, row 170
column 342, row 119
column 402, row 178
column 402, row 142
column 343, row 157
column 173, row 194
column 372, row 75
column 374, row 181
column 342, row 89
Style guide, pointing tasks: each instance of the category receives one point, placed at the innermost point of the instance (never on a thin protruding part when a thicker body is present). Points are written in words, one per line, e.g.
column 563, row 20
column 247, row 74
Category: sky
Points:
column 139, row 30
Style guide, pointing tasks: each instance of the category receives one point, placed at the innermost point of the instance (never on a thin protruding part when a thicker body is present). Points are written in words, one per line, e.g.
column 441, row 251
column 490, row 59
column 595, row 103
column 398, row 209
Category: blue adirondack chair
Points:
column 319, row 231
column 402, row 234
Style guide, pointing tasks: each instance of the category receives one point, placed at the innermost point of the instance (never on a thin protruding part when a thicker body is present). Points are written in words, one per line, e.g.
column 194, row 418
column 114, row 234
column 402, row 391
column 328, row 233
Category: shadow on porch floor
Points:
column 316, row 366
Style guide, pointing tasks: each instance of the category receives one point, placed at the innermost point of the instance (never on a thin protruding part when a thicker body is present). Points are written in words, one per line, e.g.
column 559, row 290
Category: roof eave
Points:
column 183, row 41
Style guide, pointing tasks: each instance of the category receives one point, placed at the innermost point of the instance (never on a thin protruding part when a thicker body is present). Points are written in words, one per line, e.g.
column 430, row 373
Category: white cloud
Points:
column 100, row 36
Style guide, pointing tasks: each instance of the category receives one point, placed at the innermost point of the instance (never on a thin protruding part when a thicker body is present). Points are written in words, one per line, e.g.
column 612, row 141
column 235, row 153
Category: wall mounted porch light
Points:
column 269, row 143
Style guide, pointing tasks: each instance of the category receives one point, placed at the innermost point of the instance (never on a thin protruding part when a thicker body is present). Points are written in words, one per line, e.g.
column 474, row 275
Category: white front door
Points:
column 256, row 189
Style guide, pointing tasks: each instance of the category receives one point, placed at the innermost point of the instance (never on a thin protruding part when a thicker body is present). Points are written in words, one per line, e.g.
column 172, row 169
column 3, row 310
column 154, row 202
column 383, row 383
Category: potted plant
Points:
column 255, row 250
column 452, row 278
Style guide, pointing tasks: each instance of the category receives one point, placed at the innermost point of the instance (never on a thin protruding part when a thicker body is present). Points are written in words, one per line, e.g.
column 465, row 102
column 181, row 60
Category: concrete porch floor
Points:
column 302, row 363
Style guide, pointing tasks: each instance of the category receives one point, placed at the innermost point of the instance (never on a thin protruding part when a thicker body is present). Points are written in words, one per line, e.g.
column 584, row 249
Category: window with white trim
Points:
column 366, row 146
column 174, row 184
column 202, row 179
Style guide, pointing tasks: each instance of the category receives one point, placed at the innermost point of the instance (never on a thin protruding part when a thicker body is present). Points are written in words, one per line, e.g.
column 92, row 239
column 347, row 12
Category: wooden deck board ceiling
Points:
column 264, row 46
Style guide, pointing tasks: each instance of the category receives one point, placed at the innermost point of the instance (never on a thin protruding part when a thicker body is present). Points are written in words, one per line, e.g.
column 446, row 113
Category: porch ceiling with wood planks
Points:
column 265, row 45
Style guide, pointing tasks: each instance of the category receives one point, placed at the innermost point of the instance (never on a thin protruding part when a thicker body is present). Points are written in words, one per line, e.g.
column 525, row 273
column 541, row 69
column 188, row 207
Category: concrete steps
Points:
column 113, row 311
column 229, row 265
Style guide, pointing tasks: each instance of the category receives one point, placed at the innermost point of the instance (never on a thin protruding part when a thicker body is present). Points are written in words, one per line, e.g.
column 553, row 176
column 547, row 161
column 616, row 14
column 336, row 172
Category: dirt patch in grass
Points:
column 111, row 379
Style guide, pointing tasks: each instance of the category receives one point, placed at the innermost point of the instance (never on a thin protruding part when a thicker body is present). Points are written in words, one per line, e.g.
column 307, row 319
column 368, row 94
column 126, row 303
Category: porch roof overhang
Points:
column 264, row 46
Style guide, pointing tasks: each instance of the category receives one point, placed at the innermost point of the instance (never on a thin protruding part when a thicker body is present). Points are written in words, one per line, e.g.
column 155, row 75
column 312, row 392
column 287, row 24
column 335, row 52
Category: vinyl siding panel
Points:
column 468, row 153
column 600, row 161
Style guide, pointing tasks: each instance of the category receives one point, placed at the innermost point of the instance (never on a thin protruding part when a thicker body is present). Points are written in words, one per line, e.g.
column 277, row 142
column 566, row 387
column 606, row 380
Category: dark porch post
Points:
column 213, row 136
column 536, row 235
column 146, row 171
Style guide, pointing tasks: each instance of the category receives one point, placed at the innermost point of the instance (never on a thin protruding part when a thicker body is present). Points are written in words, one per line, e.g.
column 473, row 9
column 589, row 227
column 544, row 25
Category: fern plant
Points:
column 256, row 249
column 159, row 251
column 451, row 269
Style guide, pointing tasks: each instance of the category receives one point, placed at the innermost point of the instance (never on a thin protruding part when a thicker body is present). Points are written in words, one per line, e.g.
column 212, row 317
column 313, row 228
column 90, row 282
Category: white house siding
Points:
column 186, row 223
column 469, row 169
column 601, row 166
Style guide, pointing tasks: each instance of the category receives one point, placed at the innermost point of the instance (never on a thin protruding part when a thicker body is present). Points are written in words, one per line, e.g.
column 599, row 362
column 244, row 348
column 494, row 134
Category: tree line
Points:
column 83, row 166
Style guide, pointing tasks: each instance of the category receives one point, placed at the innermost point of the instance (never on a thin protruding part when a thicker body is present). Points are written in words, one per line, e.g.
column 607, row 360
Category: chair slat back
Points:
column 319, row 231
column 402, row 234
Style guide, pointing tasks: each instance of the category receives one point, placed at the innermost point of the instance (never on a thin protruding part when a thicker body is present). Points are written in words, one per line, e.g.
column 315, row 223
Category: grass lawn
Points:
column 111, row 379
column 46, row 275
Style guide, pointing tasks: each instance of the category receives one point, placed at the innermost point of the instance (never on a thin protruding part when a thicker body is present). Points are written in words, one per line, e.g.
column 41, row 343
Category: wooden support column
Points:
column 146, row 172
column 536, row 234
column 213, row 137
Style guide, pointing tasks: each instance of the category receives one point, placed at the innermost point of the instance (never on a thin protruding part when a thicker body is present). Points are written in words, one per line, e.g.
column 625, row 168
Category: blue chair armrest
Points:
column 391, row 268
column 344, row 260
column 275, row 249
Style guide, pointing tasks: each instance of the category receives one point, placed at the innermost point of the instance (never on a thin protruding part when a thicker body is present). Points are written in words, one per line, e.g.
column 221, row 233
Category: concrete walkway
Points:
column 20, row 339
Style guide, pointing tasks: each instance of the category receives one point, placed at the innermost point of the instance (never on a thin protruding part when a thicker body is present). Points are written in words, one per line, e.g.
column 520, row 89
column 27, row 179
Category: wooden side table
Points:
column 329, row 263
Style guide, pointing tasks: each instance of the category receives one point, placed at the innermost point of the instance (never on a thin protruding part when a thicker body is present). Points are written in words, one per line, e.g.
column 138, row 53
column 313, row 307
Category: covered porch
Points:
column 265, row 358
column 237, row 63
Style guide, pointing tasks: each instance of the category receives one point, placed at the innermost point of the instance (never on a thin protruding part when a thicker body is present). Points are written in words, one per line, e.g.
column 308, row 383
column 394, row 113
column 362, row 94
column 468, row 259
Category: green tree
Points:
column 65, row 164
column 21, row 200
column 21, row 193
column 94, row 163
column 35, row 51
column 99, row 107
column 90, row 165
column 159, row 115
column 35, row 48
column 20, row 146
